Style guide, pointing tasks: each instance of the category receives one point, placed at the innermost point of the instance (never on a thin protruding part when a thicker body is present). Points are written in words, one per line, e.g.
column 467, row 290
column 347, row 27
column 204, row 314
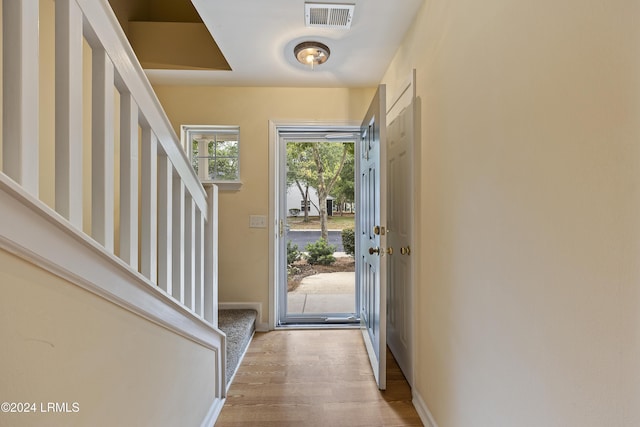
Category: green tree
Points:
column 329, row 158
column 344, row 190
column 225, row 166
column 319, row 165
column 300, row 172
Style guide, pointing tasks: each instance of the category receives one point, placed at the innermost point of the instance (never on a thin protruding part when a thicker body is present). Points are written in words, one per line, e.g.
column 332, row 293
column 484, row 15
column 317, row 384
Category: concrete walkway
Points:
column 324, row 293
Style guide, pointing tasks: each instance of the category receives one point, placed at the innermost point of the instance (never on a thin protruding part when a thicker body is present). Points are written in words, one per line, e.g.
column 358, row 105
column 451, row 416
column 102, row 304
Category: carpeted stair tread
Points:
column 239, row 325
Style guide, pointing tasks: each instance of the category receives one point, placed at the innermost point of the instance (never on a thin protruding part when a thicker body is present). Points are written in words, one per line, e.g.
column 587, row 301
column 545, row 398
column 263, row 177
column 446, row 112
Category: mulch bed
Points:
column 303, row 269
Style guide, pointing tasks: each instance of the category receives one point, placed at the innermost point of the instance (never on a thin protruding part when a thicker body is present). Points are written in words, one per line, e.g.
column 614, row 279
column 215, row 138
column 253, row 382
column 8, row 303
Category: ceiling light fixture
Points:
column 311, row 53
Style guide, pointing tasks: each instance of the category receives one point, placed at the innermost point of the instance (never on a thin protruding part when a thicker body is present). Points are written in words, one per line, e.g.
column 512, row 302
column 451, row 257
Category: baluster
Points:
column 165, row 222
column 129, row 180
column 20, row 92
column 189, row 251
column 102, row 164
column 199, row 261
column 149, row 206
column 68, row 112
column 178, row 227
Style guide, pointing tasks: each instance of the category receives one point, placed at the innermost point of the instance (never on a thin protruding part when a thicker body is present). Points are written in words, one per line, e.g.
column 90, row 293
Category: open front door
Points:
column 400, row 220
column 371, row 213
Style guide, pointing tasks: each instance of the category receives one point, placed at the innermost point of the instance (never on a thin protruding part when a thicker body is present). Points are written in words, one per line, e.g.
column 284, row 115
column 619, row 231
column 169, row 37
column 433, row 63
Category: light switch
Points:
column 257, row 221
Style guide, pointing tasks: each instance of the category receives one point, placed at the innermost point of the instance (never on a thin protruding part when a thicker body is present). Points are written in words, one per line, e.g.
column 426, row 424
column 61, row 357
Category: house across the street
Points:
column 295, row 200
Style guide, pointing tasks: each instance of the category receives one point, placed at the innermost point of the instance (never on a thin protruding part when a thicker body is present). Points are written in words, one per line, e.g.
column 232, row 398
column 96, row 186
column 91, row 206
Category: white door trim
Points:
column 274, row 167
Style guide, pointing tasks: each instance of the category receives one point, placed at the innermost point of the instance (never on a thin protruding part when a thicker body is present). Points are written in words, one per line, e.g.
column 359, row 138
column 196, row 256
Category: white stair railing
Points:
column 165, row 227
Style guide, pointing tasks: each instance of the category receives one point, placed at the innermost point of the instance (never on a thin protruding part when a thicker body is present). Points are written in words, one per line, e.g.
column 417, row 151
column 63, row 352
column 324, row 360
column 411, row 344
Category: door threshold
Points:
column 301, row 326
column 315, row 327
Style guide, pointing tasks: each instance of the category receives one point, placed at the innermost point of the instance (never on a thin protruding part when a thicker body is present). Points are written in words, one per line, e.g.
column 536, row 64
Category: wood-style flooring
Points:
column 315, row 378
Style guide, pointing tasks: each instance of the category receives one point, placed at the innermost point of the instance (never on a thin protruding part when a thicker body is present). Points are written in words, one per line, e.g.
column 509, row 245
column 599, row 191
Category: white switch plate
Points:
column 257, row 221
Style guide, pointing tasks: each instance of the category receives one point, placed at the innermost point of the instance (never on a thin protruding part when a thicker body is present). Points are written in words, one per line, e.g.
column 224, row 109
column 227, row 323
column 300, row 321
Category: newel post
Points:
column 211, row 256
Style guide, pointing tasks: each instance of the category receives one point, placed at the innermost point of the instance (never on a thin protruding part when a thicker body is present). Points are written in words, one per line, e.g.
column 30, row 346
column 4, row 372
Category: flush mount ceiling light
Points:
column 311, row 53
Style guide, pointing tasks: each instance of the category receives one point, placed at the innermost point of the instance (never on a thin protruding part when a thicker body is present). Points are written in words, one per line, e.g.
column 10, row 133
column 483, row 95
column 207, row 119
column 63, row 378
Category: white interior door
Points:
column 399, row 233
column 371, row 212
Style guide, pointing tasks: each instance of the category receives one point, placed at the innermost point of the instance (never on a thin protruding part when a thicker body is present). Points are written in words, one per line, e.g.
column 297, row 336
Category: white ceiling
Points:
column 257, row 38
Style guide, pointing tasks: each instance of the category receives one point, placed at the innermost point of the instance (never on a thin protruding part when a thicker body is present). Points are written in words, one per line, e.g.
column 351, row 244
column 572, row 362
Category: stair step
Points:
column 238, row 325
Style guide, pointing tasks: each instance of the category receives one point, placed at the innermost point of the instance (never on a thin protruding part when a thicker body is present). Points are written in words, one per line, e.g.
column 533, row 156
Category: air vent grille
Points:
column 325, row 15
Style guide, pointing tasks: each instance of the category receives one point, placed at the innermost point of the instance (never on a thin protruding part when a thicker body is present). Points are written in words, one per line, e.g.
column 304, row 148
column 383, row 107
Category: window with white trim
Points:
column 214, row 152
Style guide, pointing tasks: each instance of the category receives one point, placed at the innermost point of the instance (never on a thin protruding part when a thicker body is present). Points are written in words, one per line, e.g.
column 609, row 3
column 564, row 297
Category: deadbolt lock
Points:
column 377, row 230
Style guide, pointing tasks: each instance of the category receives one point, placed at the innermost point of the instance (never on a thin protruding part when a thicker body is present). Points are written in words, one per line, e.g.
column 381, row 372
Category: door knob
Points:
column 374, row 251
column 390, row 250
column 405, row 251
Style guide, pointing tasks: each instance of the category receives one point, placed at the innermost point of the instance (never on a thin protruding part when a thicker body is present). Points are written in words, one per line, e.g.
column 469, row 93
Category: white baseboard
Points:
column 257, row 306
column 213, row 413
column 423, row 410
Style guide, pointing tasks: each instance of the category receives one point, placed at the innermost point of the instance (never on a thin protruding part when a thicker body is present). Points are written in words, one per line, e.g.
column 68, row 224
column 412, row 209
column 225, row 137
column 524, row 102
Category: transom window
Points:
column 214, row 152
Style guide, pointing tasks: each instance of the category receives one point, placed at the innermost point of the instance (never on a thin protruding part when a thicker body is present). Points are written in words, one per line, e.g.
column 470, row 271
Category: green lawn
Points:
column 336, row 222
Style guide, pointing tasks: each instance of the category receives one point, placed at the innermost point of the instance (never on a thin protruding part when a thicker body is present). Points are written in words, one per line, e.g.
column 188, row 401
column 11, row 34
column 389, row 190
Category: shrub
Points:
column 293, row 254
column 320, row 252
column 292, row 270
column 349, row 241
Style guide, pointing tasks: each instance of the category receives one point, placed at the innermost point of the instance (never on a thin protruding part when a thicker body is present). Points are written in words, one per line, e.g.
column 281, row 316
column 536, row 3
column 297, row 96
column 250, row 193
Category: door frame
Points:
column 275, row 170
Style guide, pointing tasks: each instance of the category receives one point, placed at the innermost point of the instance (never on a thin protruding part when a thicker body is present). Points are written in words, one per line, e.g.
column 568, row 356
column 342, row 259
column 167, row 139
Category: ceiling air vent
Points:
column 328, row 15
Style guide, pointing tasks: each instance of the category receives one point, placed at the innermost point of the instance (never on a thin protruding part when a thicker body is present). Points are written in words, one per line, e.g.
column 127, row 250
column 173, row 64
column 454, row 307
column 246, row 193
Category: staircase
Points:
column 108, row 241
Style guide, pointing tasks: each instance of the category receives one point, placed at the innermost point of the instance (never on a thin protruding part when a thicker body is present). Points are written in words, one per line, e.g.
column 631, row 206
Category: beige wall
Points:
column 528, row 301
column 63, row 344
column 244, row 251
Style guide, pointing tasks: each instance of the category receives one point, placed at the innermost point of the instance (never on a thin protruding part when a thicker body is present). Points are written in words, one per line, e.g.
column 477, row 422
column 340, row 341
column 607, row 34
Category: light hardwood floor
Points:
column 315, row 378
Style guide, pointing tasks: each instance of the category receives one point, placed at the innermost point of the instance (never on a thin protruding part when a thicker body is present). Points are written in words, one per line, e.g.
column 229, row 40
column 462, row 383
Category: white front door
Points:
column 372, row 278
column 399, row 233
